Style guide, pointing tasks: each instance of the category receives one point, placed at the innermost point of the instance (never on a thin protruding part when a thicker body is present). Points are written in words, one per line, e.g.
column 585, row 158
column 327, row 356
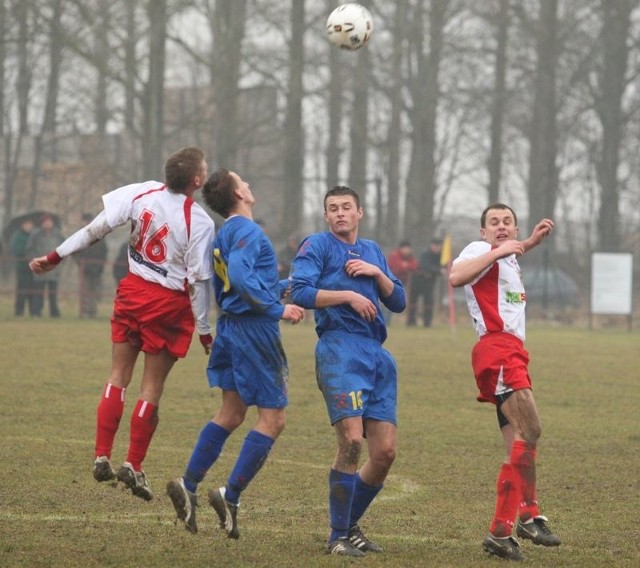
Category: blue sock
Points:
column 362, row 497
column 341, row 490
column 252, row 456
column 205, row 453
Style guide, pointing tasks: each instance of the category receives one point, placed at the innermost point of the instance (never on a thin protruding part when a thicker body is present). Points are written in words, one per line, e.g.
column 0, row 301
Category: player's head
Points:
column 342, row 212
column 498, row 206
column 498, row 223
column 184, row 169
column 225, row 190
column 341, row 190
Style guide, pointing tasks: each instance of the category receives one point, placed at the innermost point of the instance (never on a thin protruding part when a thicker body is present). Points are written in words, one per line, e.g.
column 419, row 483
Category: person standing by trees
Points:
column 47, row 237
column 91, row 263
column 424, row 282
column 490, row 274
column 24, row 277
column 247, row 358
column 404, row 264
column 345, row 279
column 156, row 303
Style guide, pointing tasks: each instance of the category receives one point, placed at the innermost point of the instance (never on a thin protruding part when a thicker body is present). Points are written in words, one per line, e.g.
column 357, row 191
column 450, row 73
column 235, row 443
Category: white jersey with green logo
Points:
column 496, row 298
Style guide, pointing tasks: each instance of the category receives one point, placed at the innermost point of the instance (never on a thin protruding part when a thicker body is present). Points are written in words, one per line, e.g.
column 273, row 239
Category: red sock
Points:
column 109, row 413
column 523, row 463
column 144, row 421
column 506, row 503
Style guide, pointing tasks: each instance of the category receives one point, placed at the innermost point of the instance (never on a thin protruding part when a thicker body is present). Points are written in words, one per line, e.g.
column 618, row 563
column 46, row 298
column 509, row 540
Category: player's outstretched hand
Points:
column 293, row 313
column 207, row 342
column 540, row 231
column 40, row 265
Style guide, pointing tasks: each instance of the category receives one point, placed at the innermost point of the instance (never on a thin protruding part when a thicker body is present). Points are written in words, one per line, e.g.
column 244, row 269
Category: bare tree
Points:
column 102, row 52
column 294, row 140
column 421, row 184
column 228, row 26
column 49, row 119
column 154, row 92
column 394, row 133
column 543, row 172
column 499, row 102
column 609, row 93
column 3, row 59
column 358, row 135
column 335, row 110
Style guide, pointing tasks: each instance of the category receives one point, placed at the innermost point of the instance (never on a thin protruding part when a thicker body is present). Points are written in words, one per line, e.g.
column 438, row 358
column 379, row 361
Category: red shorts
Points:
column 500, row 365
column 152, row 317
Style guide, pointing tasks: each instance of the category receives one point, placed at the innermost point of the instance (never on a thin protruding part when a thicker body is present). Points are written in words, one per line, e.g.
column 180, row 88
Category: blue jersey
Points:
column 319, row 265
column 246, row 270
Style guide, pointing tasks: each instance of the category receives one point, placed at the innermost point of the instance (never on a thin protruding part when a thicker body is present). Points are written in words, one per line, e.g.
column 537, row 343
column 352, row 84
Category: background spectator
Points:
column 41, row 240
column 24, row 277
column 91, row 263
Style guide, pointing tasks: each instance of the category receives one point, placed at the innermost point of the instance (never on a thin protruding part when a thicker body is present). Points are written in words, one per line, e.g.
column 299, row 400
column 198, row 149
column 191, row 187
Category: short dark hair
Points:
column 341, row 190
column 181, row 167
column 483, row 217
column 218, row 192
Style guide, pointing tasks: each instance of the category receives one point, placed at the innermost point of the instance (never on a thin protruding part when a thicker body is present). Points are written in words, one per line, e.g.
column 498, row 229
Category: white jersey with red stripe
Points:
column 171, row 233
column 496, row 298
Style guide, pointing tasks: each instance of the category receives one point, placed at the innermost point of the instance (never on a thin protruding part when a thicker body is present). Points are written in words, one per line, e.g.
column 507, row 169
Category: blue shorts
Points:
column 357, row 377
column 247, row 357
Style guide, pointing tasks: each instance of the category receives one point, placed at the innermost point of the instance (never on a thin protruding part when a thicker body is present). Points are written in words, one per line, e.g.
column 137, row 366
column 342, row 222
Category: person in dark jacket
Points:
column 24, row 277
column 91, row 263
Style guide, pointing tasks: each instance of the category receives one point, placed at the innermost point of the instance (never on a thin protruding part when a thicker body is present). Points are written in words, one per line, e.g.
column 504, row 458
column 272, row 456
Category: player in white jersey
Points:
column 157, row 305
column 490, row 274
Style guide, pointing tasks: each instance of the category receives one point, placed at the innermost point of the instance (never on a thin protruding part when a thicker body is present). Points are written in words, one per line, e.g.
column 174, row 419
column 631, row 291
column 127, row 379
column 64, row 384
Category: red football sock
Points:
column 144, row 421
column 109, row 413
column 506, row 503
column 523, row 463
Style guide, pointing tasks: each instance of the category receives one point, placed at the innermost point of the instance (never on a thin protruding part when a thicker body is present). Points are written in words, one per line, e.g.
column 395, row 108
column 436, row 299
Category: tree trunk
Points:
column 228, row 25
column 294, row 140
column 46, row 136
column 499, row 101
column 153, row 135
column 393, row 222
column 609, row 107
column 421, row 184
column 358, row 135
column 336, row 93
column 102, row 54
column 543, row 172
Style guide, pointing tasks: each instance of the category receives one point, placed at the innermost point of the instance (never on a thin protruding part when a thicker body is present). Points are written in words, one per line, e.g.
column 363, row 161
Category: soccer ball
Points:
column 349, row 26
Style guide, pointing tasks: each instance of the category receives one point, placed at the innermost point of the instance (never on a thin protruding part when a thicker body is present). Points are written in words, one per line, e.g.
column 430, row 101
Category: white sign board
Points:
column 611, row 283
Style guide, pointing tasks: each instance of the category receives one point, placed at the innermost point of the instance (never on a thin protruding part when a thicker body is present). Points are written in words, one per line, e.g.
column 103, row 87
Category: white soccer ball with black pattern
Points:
column 349, row 26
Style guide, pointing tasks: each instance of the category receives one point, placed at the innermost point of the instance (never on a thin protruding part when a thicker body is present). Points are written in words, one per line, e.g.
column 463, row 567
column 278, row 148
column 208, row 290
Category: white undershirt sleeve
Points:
column 200, row 295
column 83, row 238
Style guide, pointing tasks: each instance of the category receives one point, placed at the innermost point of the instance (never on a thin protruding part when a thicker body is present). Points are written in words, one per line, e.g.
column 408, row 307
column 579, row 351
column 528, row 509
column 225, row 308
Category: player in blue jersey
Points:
column 345, row 279
column 247, row 360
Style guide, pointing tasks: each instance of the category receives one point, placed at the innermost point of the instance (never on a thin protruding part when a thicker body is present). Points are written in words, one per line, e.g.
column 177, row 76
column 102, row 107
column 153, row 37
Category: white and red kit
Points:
column 170, row 249
column 171, row 233
column 496, row 301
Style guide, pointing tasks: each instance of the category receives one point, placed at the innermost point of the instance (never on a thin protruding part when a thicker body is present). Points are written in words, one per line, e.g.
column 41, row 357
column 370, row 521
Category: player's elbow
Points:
column 455, row 279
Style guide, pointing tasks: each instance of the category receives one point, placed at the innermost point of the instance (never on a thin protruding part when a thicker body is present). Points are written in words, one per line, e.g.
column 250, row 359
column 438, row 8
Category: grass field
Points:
column 437, row 502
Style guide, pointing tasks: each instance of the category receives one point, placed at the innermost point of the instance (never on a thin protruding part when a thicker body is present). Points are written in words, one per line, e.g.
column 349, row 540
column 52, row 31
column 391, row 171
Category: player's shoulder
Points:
column 475, row 248
column 370, row 244
column 200, row 214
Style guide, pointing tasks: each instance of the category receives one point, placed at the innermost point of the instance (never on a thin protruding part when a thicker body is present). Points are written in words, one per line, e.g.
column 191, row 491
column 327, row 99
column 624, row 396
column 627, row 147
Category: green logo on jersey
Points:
column 515, row 297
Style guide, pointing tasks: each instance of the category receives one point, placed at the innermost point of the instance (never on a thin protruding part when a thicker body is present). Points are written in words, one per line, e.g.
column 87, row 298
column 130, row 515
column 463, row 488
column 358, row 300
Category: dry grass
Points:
column 436, row 505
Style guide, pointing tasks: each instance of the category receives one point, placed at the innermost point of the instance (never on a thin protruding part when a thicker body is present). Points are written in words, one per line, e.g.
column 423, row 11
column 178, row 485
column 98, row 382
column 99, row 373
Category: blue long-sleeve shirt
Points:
column 246, row 270
column 320, row 265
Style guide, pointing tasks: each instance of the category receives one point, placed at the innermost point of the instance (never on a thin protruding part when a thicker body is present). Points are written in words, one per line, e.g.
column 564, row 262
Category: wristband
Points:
column 54, row 258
